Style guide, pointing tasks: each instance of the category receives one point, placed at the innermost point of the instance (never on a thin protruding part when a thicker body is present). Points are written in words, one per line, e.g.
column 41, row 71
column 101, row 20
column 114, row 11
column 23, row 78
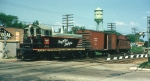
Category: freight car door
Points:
column 109, row 41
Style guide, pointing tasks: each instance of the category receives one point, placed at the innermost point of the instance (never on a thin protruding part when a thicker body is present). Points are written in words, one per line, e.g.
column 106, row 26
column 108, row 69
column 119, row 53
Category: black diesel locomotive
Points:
column 42, row 42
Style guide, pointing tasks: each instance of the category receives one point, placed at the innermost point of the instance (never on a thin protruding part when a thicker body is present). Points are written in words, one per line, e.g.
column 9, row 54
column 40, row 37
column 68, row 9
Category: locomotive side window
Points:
column 47, row 32
column 32, row 31
column 26, row 32
column 38, row 31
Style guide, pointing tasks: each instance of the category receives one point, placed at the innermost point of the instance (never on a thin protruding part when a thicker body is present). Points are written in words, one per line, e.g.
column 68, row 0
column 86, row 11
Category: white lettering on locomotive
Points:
column 65, row 42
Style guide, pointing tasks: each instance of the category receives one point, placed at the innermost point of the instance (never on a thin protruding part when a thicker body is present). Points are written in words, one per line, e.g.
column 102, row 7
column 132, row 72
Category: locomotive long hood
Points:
column 61, row 42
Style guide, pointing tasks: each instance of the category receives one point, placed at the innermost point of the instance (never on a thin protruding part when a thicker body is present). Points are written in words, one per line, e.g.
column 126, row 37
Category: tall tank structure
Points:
column 98, row 17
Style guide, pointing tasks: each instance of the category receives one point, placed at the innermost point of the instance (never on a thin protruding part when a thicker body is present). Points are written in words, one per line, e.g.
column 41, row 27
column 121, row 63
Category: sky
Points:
column 126, row 14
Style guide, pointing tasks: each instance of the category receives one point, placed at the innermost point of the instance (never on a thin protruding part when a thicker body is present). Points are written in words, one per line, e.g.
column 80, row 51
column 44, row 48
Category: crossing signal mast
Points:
column 148, row 30
column 67, row 21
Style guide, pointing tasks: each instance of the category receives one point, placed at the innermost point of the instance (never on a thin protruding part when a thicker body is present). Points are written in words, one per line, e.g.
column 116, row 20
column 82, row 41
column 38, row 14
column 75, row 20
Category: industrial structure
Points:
column 98, row 17
column 148, row 30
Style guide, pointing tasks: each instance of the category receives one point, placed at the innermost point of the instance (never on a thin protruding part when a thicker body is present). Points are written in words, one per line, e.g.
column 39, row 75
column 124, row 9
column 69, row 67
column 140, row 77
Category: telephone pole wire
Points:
column 112, row 26
column 67, row 21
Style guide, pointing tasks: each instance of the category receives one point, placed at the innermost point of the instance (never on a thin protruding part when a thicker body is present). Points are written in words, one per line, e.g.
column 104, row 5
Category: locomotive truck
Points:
column 41, row 41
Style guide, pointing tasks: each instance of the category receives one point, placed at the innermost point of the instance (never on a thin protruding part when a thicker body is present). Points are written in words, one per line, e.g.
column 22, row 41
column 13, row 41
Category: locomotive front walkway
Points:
column 16, row 70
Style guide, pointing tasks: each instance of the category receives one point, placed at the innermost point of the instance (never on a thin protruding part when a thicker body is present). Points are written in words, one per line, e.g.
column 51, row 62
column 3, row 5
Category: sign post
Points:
column 5, row 51
column 4, row 35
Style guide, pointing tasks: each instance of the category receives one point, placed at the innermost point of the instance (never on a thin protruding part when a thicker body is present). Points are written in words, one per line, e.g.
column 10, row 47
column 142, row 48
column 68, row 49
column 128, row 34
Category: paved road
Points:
column 14, row 70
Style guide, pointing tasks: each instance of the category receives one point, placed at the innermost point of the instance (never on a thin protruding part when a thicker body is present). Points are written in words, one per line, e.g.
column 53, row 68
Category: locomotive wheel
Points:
column 91, row 54
column 50, row 55
column 78, row 54
column 84, row 54
column 23, row 57
column 70, row 55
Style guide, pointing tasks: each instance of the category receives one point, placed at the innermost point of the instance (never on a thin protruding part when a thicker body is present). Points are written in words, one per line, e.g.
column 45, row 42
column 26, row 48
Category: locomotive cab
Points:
column 37, row 31
column 36, row 34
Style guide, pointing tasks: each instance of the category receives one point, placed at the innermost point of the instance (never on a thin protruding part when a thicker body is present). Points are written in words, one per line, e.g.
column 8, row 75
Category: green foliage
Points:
column 36, row 22
column 75, row 28
column 10, row 21
column 135, row 38
column 136, row 49
column 145, row 65
column 10, row 57
column 115, row 32
column 131, row 37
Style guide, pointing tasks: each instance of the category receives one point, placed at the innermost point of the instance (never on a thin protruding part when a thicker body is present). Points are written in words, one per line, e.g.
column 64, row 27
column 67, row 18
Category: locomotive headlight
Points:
column 30, row 26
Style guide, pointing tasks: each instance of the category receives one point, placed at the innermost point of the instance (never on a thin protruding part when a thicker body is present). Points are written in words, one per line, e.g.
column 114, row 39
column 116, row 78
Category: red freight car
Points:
column 98, row 41
column 92, row 40
column 103, row 42
column 123, row 44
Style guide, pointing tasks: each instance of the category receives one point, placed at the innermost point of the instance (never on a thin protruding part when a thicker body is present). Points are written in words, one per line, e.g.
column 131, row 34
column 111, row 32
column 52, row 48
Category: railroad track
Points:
column 125, row 58
column 107, row 59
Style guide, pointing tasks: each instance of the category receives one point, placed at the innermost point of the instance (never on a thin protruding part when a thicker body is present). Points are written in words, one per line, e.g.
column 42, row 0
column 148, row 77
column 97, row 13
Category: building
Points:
column 13, row 36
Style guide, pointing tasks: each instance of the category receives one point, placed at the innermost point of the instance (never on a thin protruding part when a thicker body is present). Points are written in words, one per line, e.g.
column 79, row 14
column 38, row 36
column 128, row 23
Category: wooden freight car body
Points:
column 103, row 42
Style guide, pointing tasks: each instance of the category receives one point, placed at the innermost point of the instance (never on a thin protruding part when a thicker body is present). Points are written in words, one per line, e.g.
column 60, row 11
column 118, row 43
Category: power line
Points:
column 38, row 9
column 67, row 21
column 134, row 30
column 112, row 26
column 31, row 8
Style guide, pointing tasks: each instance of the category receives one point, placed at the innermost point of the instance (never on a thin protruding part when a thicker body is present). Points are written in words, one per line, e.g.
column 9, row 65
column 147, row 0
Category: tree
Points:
column 131, row 37
column 36, row 22
column 3, row 19
column 75, row 28
column 115, row 32
column 10, row 21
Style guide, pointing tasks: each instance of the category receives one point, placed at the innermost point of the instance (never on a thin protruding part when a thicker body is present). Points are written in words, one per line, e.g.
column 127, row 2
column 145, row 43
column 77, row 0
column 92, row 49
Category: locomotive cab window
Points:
column 26, row 32
column 47, row 32
column 32, row 31
column 38, row 31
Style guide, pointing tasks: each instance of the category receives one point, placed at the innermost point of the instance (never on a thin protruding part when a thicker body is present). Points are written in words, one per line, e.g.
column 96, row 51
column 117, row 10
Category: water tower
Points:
column 98, row 17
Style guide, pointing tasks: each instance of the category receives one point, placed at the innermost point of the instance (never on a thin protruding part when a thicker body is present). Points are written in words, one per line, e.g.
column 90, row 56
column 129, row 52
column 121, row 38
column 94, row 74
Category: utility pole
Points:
column 5, row 50
column 148, row 36
column 134, row 31
column 112, row 26
column 148, row 30
column 67, row 21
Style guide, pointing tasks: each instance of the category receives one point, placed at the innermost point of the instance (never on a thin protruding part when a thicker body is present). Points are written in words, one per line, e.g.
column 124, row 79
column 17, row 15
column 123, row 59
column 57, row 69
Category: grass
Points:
column 10, row 57
column 145, row 65
column 136, row 49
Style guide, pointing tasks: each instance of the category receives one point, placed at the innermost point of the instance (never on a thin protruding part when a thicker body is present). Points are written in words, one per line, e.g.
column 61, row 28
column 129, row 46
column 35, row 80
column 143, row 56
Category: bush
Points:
column 136, row 49
column 145, row 65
